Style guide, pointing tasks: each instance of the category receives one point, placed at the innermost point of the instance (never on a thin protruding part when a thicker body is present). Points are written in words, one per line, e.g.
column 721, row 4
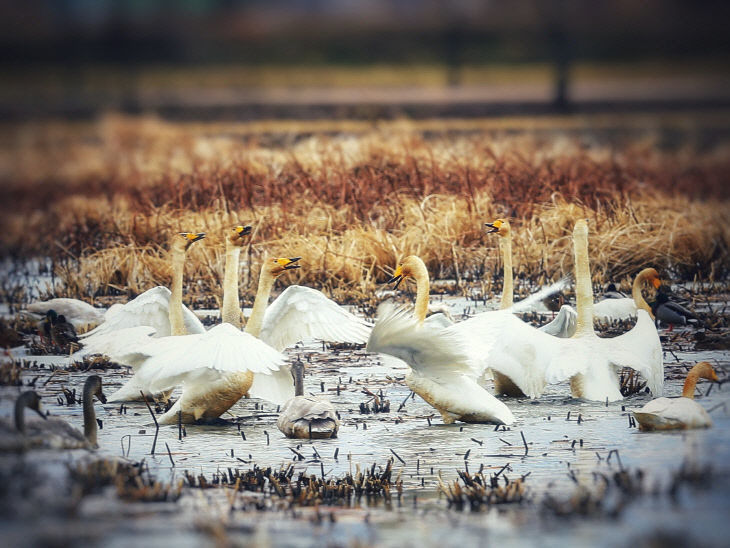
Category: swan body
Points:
column 441, row 371
column 563, row 325
column 524, row 359
column 215, row 368
column 307, row 417
column 678, row 413
column 81, row 314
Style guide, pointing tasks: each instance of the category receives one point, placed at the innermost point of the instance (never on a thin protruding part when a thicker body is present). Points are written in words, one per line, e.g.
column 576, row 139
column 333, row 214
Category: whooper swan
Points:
column 527, row 358
column 308, row 417
column 216, row 368
column 678, row 413
column 440, row 370
column 81, row 314
column 624, row 308
column 158, row 312
column 563, row 325
column 54, row 433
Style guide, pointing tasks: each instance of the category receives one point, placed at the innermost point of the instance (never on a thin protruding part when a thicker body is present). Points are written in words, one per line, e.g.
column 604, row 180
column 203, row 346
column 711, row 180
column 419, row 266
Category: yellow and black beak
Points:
column 243, row 230
column 494, row 227
column 101, row 396
column 288, row 264
column 397, row 277
column 193, row 236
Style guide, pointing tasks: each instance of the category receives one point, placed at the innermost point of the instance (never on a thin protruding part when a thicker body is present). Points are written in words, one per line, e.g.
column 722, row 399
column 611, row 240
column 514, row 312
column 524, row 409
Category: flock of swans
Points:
column 167, row 346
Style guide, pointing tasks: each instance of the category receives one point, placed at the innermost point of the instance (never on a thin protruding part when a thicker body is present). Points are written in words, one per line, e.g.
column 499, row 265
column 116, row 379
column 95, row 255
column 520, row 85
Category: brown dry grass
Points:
column 103, row 199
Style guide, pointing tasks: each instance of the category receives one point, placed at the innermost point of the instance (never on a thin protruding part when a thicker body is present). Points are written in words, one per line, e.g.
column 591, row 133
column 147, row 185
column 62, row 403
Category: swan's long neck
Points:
column 89, row 415
column 583, row 285
column 231, row 309
column 256, row 321
column 638, row 296
column 420, row 274
column 20, row 405
column 689, row 384
column 505, row 244
column 298, row 370
column 177, row 325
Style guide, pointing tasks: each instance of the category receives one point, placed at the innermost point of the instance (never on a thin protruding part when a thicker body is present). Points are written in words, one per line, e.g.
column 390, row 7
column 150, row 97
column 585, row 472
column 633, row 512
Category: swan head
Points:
column 92, row 387
column 581, row 228
column 276, row 267
column 406, row 269
column 186, row 239
column 500, row 226
column 651, row 276
column 237, row 235
column 705, row 371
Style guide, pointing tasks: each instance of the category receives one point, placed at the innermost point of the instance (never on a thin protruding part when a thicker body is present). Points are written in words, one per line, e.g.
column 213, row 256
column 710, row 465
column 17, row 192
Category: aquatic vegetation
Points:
column 480, row 492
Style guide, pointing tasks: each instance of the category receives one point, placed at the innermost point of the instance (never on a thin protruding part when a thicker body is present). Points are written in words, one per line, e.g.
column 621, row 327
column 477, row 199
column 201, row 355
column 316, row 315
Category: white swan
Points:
column 158, row 312
column 440, row 370
column 624, row 308
column 678, row 413
column 80, row 314
column 307, row 417
column 563, row 325
column 210, row 386
column 525, row 359
column 52, row 432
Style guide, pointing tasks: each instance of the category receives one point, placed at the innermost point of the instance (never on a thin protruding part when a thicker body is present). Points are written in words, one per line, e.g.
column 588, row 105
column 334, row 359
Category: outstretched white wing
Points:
column 639, row 349
column 277, row 388
column 121, row 346
column 224, row 349
column 430, row 350
column 302, row 313
column 151, row 308
column 564, row 324
column 528, row 303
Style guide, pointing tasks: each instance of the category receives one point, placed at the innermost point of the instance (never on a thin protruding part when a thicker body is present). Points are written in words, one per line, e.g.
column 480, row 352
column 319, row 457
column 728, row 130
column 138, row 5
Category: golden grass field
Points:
column 352, row 198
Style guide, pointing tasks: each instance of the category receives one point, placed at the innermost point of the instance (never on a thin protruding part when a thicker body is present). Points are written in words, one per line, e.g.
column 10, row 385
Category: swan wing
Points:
column 429, row 350
column 528, row 303
column 302, row 313
column 277, row 388
column 222, row 349
column 121, row 346
column 564, row 324
column 639, row 349
column 151, row 308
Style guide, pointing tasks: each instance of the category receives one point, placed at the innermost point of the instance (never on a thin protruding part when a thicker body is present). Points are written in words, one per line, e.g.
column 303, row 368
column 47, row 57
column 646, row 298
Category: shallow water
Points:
column 558, row 444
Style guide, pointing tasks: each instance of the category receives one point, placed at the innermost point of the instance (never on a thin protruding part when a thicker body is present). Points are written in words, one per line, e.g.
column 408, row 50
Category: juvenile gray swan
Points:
column 307, row 417
column 51, row 432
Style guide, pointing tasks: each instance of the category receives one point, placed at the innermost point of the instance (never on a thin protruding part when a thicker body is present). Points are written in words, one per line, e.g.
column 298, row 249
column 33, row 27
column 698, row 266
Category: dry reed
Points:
column 102, row 201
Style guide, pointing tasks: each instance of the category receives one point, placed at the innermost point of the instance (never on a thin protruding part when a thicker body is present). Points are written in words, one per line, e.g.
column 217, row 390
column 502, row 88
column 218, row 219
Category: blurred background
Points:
column 307, row 59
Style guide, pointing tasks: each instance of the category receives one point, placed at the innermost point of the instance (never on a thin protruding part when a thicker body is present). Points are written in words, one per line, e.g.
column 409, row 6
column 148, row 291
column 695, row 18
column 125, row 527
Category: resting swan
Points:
column 440, row 370
column 158, row 312
column 81, row 314
column 678, row 413
column 54, row 433
column 563, row 325
column 307, row 417
column 624, row 308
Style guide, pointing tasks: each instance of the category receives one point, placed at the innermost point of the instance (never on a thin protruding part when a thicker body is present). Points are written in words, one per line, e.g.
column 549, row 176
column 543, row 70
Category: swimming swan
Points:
column 54, row 433
column 81, row 314
column 308, row 417
column 440, row 369
column 678, row 413
column 624, row 308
